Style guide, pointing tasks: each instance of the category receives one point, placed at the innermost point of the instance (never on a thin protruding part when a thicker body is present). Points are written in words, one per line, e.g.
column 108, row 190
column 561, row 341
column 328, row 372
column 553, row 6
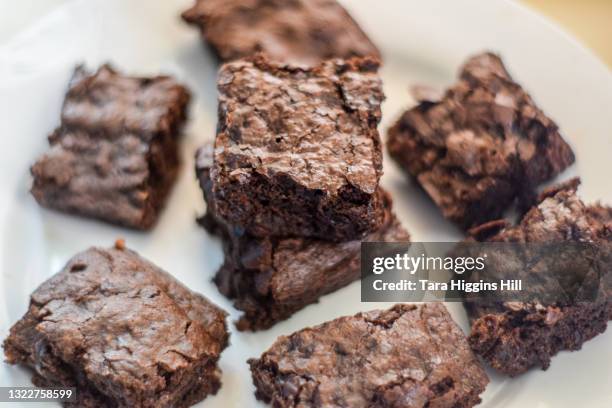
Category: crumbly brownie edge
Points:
column 261, row 312
column 512, row 343
column 205, row 378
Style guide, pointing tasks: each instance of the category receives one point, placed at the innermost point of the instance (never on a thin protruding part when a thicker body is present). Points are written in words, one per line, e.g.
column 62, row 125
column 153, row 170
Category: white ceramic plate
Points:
column 422, row 42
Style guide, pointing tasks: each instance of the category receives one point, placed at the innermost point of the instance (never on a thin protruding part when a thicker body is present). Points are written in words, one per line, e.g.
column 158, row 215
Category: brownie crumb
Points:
column 120, row 244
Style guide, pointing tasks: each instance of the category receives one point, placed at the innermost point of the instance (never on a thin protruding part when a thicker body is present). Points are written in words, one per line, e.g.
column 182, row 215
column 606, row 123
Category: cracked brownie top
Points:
column 108, row 102
column 406, row 356
column 316, row 126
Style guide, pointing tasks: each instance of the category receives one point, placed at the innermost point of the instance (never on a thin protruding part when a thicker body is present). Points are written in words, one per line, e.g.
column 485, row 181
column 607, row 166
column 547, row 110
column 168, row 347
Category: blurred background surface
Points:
column 588, row 20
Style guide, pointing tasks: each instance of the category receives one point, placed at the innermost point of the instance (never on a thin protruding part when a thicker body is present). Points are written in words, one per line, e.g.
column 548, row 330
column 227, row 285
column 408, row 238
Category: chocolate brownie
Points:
column 293, row 31
column 122, row 331
column 270, row 279
column 481, row 146
column 407, row 356
column 114, row 157
column 297, row 151
column 515, row 336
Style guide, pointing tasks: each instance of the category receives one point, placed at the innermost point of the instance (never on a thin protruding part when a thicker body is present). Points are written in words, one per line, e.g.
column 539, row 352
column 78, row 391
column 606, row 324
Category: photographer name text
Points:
column 512, row 285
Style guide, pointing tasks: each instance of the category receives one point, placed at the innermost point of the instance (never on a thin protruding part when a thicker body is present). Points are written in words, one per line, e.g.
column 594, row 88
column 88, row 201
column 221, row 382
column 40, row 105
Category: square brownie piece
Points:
column 272, row 278
column 297, row 151
column 115, row 155
column 123, row 332
column 292, row 31
column 514, row 336
column 407, row 356
column 479, row 147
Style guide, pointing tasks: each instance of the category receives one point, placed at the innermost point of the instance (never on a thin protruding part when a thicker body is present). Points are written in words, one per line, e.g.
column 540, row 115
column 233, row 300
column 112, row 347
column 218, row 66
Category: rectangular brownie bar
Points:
column 295, row 31
column 480, row 146
column 514, row 336
column 122, row 331
column 407, row 356
column 115, row 155
column 297, row 151
column 270, row 279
